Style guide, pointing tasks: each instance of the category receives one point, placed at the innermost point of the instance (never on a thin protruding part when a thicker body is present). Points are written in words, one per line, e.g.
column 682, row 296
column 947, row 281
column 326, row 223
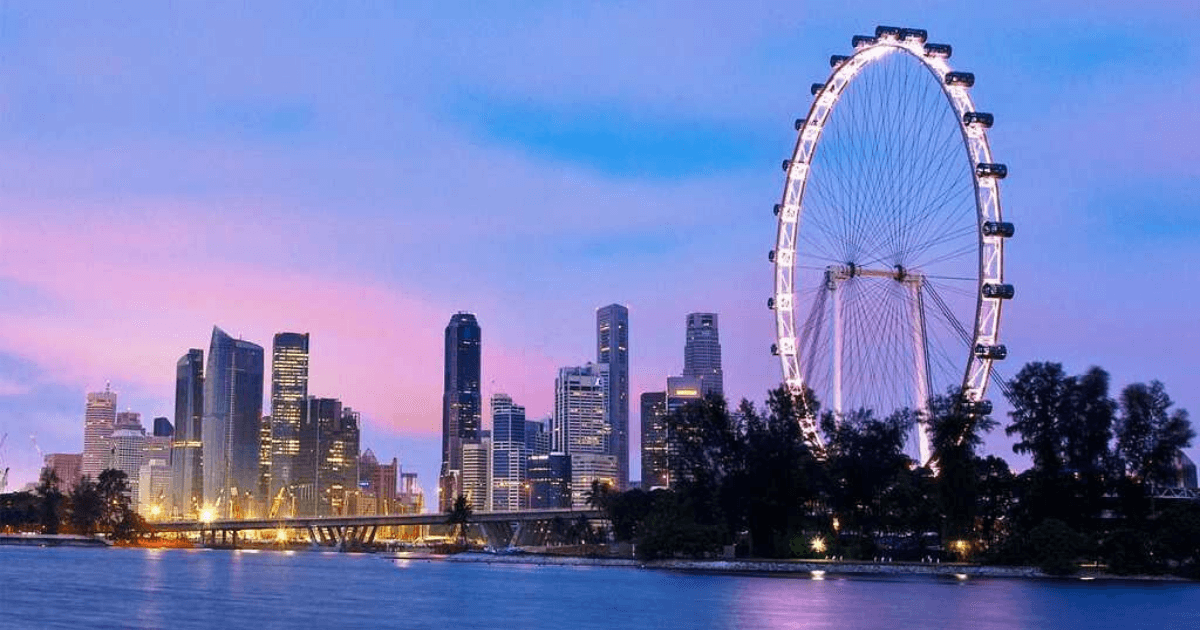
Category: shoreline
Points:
column 817, row 569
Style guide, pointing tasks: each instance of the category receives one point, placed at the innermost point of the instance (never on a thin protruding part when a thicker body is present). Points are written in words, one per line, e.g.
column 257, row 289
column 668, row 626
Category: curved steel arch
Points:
column 790, row 210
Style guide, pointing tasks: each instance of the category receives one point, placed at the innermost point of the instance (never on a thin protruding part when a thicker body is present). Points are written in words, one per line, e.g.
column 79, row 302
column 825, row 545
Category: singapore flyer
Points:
column 889, row 250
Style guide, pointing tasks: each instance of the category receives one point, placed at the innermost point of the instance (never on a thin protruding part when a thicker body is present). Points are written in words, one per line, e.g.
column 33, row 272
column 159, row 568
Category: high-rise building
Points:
column 477, row 472
column 702, row 353
column 461, row 403
column 66, row 467
column 233, row 398
column 580, row 424
column 289, row 391
column 379, row 480
column 163, row 427
column 654, row 441
column 508, row 455
column 537, row 437
column 612, row 350
column 98, row 422
column 127, row 449
column 187, row 478
column 328, row 460
column 154, row 482
column 682, row 390
column 550, row 481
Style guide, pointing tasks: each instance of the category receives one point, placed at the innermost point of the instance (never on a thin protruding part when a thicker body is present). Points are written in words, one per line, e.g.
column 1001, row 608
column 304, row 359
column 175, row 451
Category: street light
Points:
column 818, row 544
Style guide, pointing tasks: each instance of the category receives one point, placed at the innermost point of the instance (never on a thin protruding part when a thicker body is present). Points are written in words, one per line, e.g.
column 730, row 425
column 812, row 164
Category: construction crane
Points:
column 3, row 473
column 278, row 501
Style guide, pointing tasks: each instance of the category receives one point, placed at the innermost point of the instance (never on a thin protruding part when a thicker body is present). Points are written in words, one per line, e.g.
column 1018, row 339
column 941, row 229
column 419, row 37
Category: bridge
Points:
column 501, row 529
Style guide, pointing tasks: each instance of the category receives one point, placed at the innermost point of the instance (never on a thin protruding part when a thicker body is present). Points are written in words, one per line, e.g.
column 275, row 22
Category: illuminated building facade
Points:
column 230, row 431
column 98, row 420
column 289, row 391
column 654, row 441
column 477, row 472
column 537, row 437
column 580, row 424
column 187, row 477
column 329, row 443
column 612, row 350
column 127, row 448
column 702, row 353
column 550, row 481
column 508, row 455
column 587, row 468
column 462, row 412
column 154, row 484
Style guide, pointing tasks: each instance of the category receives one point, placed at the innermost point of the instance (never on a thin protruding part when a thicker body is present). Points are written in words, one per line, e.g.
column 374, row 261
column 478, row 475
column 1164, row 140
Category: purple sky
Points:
column 360, row 173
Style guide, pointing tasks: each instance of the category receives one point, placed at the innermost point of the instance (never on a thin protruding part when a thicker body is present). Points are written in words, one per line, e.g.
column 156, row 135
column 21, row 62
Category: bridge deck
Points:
column 367, row 521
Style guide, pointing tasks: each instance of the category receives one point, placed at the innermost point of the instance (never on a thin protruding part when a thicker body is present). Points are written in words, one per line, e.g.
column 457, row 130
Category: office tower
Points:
column 328, row 459
column 537, row 437
column 154, row 483
column 98, row 421
column 682, row 390
column 126, row 449
column 702, row 353
column 382, row 483
column 163, row 427
column 461, row 403
column 410, row 499
column 612, row 349
column 477, row 472
column 67, row 467
column 187, row 478
column 654, row 441
column 581, row 428
column 264, row 459
column 508, row 455
column 289, row 391
column 233, row 397
column 550, row 481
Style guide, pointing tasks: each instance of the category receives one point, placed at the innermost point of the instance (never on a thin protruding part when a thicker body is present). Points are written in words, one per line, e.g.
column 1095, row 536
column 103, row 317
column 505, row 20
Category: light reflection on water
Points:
column 186, row 589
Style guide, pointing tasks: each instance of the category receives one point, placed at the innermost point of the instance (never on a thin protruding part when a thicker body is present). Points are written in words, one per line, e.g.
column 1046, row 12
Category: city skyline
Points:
column 136, row 173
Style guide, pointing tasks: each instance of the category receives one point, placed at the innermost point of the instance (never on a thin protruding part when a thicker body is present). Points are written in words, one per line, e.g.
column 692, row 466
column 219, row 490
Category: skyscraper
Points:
column 98, row 421
column 477, row 471
column 163, row 427
column 66, row 467
column 187, row 478
column 127, row 448
column 581, row 428
column 461, row 403
column 654, row 440
column 509, row 466
column 702, row 353
column 289, row 391
column 327, row 465
column 612, row 349
column 233, row 397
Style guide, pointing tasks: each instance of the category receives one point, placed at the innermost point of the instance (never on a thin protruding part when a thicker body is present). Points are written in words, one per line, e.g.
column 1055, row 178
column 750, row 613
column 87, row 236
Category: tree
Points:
column 87, row 507
column 1038, row 394
column 1150, row 433
column 459, row 516
column 864, row 459
column 51, row 500
column 113, row 487
column 954, row 429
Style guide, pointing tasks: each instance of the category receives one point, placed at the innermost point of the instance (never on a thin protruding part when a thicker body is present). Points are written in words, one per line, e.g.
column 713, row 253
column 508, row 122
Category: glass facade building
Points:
column 654, row 441
column 462, row 411
column 187, row 478
column 612, row 350
column 702, row 353
column 289, row 391
column 230, row 431
column 509, row 465
column 100, row 414
column 550, row 481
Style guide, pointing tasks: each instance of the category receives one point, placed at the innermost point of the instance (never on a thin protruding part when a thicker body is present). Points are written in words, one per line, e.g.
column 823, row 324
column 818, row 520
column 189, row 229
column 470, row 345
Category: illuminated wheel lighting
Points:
column 889, row 249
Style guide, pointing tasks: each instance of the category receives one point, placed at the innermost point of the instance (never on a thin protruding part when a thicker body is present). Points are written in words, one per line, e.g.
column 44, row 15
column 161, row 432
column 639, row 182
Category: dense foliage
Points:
column 747, row 480
column 91, row 507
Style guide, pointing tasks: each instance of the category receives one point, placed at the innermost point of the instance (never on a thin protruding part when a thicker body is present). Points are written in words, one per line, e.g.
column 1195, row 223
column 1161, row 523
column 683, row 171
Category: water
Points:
column 186, row 589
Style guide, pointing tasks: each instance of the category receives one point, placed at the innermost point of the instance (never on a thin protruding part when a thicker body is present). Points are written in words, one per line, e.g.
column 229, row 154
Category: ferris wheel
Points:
column 889, row 252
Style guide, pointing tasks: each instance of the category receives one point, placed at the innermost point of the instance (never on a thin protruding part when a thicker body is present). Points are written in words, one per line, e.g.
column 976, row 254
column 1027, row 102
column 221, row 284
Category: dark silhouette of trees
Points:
column 86, row 507
column 459, row 517
column 1150, row 433
column 51, row 501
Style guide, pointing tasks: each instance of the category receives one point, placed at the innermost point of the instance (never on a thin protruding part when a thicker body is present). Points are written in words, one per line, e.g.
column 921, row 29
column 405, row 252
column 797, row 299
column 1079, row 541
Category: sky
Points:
column 362, row 170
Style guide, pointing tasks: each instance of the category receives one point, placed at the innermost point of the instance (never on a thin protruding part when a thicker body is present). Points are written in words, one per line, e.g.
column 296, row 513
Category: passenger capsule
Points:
column 914, row 34
column 998, row 291
column 836, row 60
column 771, row 255
column 941, row 51
column 980, row 407
column 979, row 119
column 863, row 40
column 887, row 31
column 993, row 170
column 775, row 349
column 771, row 303
column 816, row 87
column 799, row 124
column 965, row 79
column 996, row 352
column 778, row 207
column 1003, row 229
column 786, row 165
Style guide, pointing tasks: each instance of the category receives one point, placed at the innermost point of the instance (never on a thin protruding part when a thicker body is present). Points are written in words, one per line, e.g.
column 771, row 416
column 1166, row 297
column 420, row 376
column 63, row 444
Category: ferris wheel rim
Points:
column 977, row 150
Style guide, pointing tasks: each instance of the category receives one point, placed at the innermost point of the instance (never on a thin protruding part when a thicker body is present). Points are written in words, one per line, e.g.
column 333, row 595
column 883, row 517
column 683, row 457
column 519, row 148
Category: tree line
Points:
column 87, row 508
column 747, row 478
